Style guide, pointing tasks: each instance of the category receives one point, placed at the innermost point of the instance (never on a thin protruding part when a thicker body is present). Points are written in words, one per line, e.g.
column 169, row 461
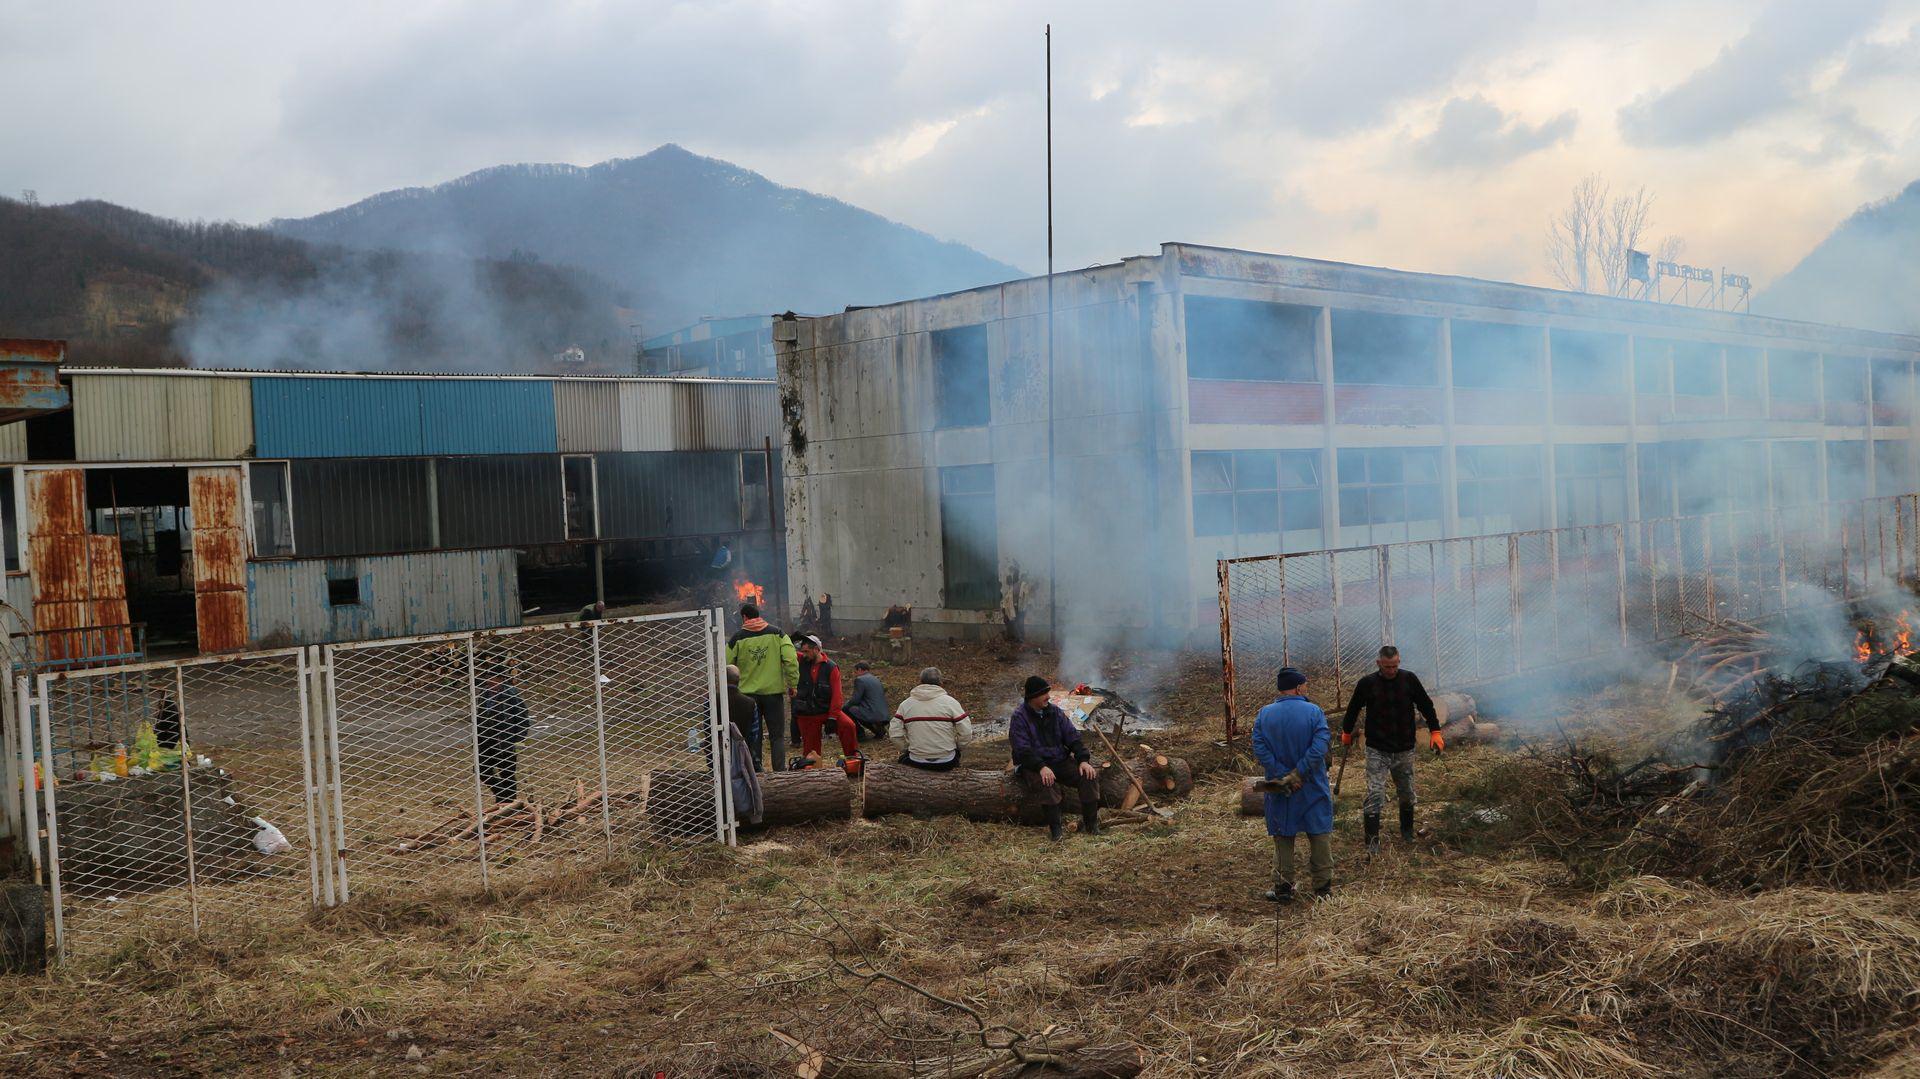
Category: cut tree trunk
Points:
column 1454, row 707
column 997, row 796
column 798, row 797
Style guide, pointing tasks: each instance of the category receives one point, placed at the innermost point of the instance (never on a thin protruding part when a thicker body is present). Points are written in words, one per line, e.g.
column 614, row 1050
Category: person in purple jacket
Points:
column 1048, row 754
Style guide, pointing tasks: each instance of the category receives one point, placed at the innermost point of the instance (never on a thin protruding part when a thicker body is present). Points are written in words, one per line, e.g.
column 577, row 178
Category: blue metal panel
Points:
column 474, row 416
column 400, row 596
column 339, row 417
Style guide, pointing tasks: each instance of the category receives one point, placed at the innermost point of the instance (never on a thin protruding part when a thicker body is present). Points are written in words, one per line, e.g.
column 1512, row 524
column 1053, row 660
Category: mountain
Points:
column 126, row 288
column 1866, row 274
column 686, row 235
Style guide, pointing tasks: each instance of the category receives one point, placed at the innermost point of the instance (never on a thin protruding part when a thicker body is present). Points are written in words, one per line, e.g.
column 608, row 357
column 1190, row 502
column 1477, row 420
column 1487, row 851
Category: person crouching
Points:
column 1047, row 753
column 1290, row 738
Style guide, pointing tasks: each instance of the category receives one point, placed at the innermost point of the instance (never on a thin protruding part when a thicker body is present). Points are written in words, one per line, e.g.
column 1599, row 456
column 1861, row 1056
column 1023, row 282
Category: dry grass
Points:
column 1430, row 961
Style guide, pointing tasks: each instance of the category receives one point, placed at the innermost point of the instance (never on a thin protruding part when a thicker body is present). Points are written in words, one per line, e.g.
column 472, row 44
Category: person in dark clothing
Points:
column 166, row 722
column 744, row 714
column 1048, row 754
column 502, row 725
column 867, row 705
column 1388, row 699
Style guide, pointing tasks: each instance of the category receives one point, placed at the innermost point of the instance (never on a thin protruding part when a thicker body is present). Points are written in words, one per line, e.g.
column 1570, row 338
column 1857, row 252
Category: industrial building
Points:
column 740, row 347
column 1205, row 403
column 232, row 509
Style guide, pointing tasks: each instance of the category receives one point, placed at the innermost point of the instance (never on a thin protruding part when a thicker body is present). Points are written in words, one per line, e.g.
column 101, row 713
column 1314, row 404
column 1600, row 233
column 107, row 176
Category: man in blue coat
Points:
column 1290, row 738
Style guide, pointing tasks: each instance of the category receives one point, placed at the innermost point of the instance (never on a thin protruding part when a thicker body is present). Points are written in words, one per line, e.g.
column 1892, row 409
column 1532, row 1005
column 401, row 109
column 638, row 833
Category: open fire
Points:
column 748, row 592
column 1863, row 644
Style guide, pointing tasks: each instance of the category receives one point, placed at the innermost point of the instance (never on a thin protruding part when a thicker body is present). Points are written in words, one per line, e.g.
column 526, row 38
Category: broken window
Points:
column 1743, row 371
column 1500, row 489
column 960, row 396
column 969, row 538
column 1268, row 499
column 1696, row 369
column 1846, row 378
column 9, row 518
column 1249, row 340
column 1793, row 376
column 272, row 511
column 1652, row 367
column 1846, row 471
column 1389, row 495
column 1796, row 473
column 343, row 586
column 753, row 490
column 1495, row 355
column 1585, row 362
column 1389, row 350
column 1590, row 483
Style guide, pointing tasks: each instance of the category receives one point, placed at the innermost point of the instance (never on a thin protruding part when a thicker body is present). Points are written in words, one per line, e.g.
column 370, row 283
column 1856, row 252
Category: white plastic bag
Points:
column 269, row 840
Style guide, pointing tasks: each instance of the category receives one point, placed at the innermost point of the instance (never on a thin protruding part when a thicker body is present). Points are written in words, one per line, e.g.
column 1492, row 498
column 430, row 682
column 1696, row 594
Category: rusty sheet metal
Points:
column 56, row 502
column 59, row 570
column 30, row 389
column 222, row 618
column 106, row 572
column 219, row 560
column 34, row 349
column 214, row 494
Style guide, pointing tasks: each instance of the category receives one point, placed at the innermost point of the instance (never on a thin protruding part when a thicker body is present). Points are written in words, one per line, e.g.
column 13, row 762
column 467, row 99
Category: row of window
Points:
column 1272, row 499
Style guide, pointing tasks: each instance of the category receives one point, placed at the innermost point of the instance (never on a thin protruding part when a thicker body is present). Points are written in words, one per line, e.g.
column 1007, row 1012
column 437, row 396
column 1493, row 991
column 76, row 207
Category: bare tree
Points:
column 1590, row 240
column 1573, row 234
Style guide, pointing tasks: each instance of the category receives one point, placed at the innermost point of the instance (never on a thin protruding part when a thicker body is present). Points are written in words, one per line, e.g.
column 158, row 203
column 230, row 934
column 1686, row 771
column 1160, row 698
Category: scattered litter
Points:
column 269, row 840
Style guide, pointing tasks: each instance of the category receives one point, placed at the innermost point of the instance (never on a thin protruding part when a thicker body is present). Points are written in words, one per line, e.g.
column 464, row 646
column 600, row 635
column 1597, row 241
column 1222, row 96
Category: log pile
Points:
column 1731, row 659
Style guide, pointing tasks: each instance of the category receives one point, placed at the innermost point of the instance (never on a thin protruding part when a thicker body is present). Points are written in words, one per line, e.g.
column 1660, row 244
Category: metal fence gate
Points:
column 307, row 776
column 1473, row 609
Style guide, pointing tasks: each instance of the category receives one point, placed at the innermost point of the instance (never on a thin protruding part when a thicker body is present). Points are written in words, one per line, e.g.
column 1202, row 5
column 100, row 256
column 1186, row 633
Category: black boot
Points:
column 1373, row 833
column 1325, row 891
column 1090, row 820
column 1282, row 893
column 1054, row 831
column 1406, row 823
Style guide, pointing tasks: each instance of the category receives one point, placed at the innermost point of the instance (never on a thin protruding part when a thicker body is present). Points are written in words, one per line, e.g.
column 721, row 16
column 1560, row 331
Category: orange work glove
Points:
column 1346, row 738
column 1439, row 743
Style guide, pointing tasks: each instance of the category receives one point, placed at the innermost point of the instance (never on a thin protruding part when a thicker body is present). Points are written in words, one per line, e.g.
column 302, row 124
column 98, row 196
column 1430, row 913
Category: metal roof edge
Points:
column 208, row 372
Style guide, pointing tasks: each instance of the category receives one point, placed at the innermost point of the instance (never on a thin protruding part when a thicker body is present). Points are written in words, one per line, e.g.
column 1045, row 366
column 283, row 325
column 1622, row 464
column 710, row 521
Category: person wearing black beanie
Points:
column 1048, row 753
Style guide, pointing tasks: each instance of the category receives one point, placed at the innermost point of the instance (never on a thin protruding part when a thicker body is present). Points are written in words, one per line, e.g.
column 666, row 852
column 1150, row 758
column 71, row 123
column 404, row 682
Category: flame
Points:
column 748, row 592
column 1862, row 650
column 1903, row 635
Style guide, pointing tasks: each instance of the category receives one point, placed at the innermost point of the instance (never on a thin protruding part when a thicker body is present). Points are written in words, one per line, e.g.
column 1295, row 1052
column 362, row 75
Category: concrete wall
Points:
column 864, row 449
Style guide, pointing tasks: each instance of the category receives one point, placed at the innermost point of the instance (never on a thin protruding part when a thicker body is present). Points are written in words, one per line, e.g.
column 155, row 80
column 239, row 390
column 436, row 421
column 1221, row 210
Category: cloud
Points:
column 1473, row 133
column 1769, row 70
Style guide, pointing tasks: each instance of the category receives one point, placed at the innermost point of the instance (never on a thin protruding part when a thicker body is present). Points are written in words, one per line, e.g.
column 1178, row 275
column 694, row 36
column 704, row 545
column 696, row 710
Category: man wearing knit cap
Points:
column 1290, row 738
column 1049, row 754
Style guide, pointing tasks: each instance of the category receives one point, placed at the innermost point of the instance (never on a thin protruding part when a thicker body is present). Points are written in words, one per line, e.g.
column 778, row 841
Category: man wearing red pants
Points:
column 817, row 698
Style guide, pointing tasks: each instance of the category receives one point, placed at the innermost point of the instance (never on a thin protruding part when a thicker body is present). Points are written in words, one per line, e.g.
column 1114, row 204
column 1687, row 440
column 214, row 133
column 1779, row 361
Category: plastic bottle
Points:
column 120, row 759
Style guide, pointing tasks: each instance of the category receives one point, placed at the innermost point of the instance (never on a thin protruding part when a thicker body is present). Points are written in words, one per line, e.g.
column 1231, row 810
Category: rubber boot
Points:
column 1055, row 831
column 1090, row 820
column 1282, row 893
column 1325, row 891
column 1406, row 823
column 1373, row 833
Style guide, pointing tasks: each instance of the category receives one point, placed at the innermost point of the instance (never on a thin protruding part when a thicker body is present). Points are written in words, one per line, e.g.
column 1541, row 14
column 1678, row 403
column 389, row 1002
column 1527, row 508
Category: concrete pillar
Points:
column 1330, row 466
column 1449, row 468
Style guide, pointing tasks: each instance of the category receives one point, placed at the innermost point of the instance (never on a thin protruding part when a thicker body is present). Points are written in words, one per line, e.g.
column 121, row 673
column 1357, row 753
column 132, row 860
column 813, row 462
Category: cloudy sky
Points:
column 1425, row 135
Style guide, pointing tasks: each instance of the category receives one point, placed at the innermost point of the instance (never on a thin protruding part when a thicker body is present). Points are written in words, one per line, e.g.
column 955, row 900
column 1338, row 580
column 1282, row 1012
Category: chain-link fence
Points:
column 1474, row 609
column 193, row 796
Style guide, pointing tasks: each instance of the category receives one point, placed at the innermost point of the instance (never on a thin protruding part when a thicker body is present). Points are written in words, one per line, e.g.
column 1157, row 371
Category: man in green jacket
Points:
column 769, row 670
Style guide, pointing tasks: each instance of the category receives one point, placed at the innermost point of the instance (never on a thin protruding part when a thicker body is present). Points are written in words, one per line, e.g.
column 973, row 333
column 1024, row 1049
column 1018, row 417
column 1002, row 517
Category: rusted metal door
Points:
column 219, row 558
column 79, row 583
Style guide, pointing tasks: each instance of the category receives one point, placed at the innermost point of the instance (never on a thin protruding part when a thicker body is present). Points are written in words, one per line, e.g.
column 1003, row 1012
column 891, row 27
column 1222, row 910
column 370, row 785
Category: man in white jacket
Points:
column 930, row 726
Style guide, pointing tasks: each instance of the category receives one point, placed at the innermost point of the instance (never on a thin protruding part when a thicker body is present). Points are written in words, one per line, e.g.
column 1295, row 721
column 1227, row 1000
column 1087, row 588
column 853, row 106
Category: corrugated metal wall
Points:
column 367, row 506
column 400, row 596
column 646, row 416
column 587, row 415
column 723, row 416
column 13, row 442
column 669, row 494
column 501, row 500
column 464, row 415
column 161, row 418
column 336, row 417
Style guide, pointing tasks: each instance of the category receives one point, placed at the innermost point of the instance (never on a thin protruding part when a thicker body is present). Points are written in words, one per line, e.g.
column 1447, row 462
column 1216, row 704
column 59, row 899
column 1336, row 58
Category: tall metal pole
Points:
column 1053, row 502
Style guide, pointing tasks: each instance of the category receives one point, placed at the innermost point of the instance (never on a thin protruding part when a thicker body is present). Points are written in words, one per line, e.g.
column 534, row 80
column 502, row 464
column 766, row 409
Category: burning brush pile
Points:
column 1808, row 774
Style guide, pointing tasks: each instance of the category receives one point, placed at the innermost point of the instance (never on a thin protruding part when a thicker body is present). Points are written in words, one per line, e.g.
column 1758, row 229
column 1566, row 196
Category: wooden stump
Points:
column 1164, row 778
column 798, row 797
column 1454, row 707
column 23, row 927
column 1253, row 802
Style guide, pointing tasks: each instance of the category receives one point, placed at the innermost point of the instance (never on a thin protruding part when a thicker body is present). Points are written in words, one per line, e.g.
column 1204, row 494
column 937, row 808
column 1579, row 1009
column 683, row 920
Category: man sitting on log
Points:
column 930, row 726
column 1290, row 739
column 818, row 699
column 868, row 702
column 1047, row 751
column 1388, row 698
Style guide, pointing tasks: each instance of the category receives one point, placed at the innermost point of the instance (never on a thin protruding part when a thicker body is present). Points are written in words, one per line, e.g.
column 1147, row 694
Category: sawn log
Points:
column 997, row 796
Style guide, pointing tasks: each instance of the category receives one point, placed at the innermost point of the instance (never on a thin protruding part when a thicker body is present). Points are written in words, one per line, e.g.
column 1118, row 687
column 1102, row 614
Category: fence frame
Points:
column 316, row 701
column 1855, row 522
